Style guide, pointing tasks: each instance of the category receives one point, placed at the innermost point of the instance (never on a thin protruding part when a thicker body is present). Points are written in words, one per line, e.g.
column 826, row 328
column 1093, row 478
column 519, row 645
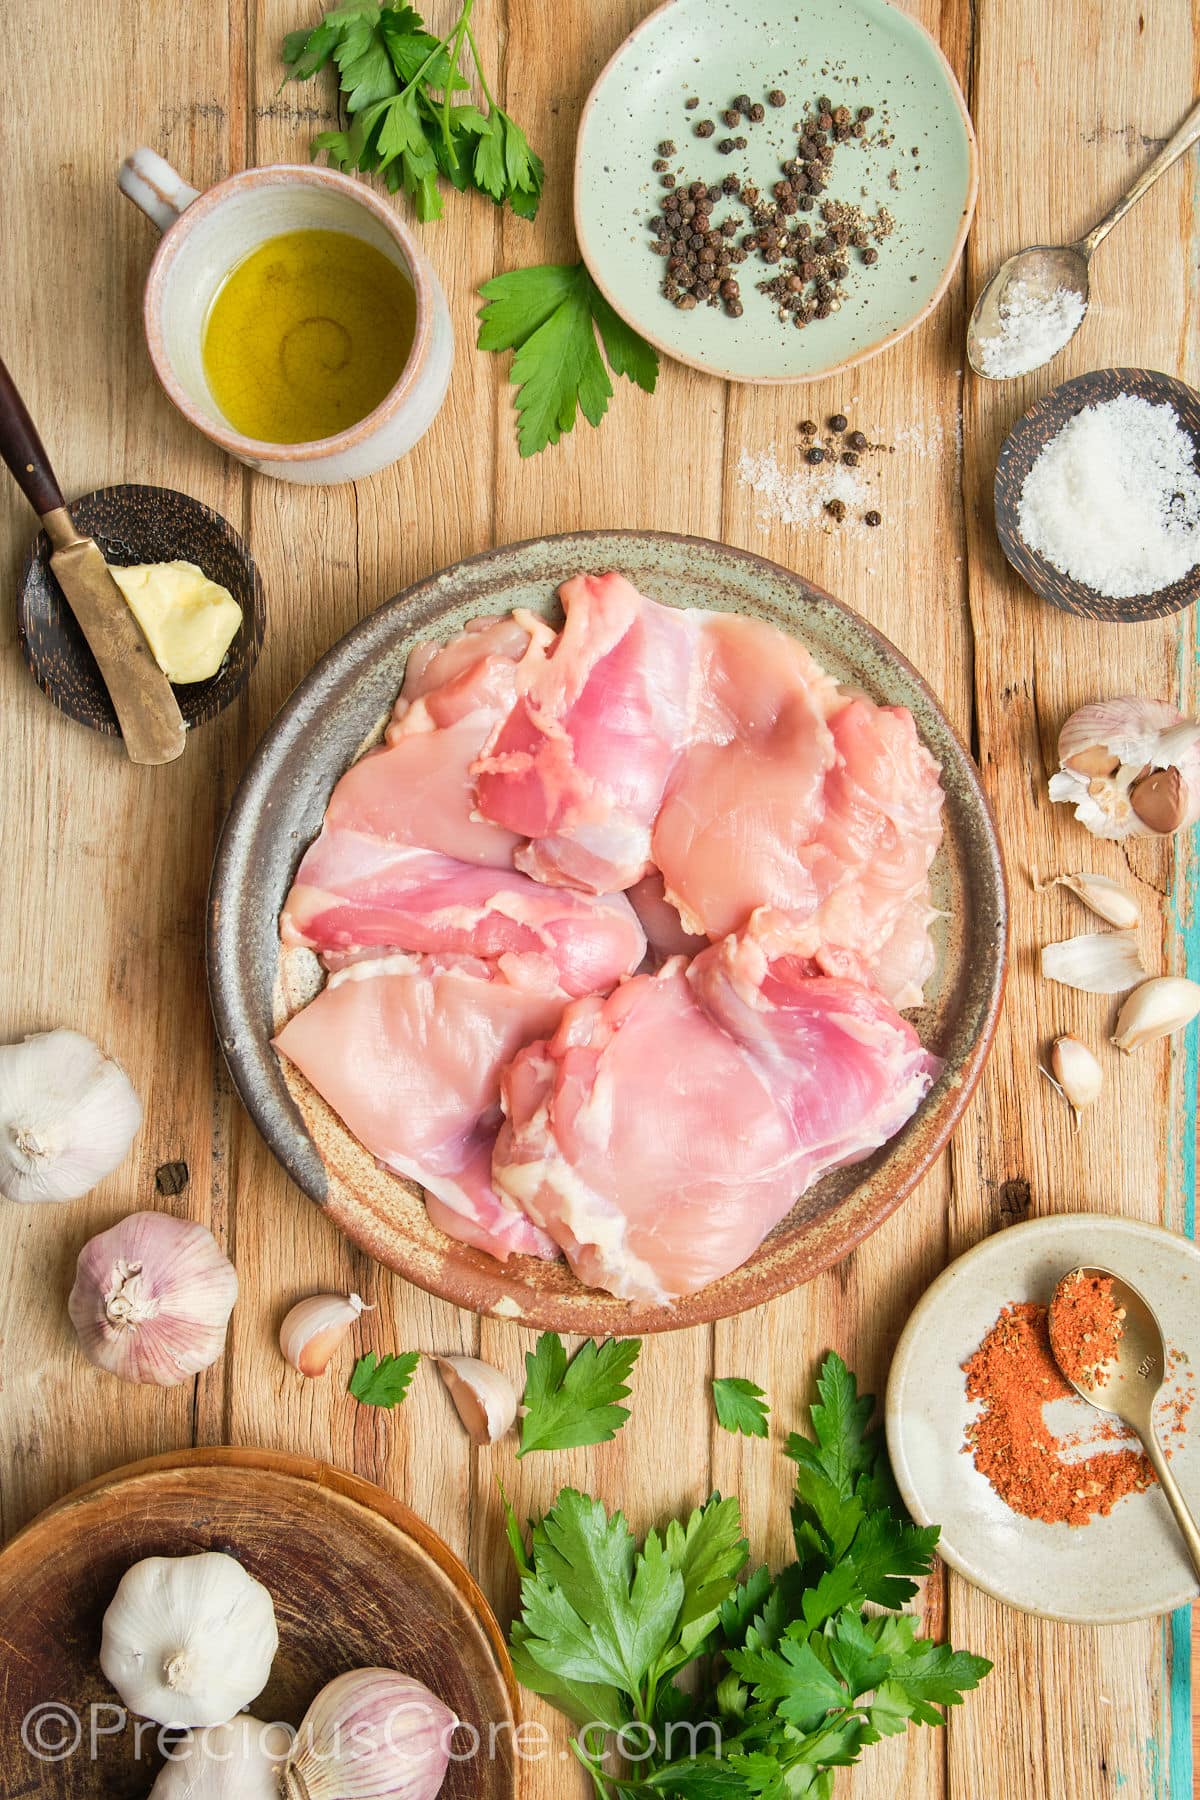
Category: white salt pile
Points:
column 800, row 496
column 1033, row 328
column 1114, row 499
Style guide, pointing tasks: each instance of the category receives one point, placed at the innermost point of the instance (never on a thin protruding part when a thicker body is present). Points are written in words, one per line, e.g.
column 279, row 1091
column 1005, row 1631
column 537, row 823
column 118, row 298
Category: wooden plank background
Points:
column 106, row 866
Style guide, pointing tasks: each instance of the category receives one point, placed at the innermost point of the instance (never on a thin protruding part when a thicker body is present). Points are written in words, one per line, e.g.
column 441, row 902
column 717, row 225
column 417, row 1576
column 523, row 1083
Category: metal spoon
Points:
column 1128, row 1384
column 1047, row 267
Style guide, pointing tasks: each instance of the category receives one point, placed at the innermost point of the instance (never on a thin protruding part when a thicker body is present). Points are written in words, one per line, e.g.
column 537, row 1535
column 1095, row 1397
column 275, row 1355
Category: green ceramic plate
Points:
column 859, row 53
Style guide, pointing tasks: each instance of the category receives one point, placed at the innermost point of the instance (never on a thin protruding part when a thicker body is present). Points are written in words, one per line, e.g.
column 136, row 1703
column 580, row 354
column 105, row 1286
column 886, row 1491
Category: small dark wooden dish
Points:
column 357, row 1579
column 1021, row 448
column 135, row 524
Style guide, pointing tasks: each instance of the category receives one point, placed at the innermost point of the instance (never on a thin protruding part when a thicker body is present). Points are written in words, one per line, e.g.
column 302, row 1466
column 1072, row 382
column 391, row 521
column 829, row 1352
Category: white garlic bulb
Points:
column 1130, row 767
column 152, row 1298
column 242, row 1760
column 189, row 1640
column 315, row 1327
column 484, row 1397
column 372, row 1733
column 68, row 1115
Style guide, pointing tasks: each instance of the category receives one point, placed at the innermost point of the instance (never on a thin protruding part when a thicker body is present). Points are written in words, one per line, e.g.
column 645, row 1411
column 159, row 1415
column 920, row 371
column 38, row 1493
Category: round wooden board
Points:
column 357, row 1580
column 278, row 809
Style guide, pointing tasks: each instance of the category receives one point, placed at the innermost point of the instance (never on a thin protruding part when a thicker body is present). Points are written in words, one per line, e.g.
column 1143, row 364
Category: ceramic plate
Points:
column 279, row 807
column 358, row 1581
column 858, row 52
column 1130, row 1565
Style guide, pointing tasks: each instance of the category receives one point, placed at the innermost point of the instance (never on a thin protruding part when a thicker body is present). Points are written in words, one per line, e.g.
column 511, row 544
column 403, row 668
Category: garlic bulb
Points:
column 1100, row 894
column 152, row 1298
column 1097, row 962
column 1130, row 767
column 68, row 1115
column 239, row 1761
column 373, row 1733
column 315, row 1327
column 1155, row 1010
column 189, row 1640
column 485, row 1398
column 1076, row 1073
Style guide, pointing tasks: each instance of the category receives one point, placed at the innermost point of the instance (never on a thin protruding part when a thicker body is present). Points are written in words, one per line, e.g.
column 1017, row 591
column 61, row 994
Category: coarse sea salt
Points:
column 1033, row 328
column 799, row 496
column 1113, row 499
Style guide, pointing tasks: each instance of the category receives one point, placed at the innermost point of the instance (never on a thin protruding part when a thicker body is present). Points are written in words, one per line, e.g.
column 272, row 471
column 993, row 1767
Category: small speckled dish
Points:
column 858, row 52
column 341, row 707
column 1021, row 449
column 136, row 524
column 1131, row 1564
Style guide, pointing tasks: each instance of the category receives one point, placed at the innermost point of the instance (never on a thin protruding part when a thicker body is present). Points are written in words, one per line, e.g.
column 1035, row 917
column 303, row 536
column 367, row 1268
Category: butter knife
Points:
column 147, row 711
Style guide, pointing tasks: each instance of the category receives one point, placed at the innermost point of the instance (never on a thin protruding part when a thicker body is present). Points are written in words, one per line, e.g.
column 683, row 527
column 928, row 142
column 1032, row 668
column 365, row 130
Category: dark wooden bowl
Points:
column 1021, row 448
column 134, row 524
column 357, row 1579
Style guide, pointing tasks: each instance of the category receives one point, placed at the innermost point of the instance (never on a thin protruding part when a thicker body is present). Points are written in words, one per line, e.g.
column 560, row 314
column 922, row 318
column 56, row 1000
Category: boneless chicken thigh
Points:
column 408, row 1052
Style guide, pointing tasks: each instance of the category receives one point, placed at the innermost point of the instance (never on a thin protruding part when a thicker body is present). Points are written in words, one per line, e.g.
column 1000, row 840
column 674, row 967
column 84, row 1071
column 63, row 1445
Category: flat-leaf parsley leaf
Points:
column 741, row 1406
column 383, row 1381
column 569, row 1404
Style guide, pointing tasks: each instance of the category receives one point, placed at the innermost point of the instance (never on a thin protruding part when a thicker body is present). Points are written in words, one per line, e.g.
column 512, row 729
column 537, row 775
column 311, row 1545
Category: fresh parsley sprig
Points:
column 383, row 1380
column 787, row 1677
column 570, row 1404
column 550, row 316
column 398, row 85
column 741, row 1406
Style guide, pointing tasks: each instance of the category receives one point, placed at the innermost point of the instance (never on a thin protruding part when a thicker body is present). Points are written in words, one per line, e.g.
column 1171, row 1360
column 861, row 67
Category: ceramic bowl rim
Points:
column 311, row 450
column 248, row 1052
column 859, row 356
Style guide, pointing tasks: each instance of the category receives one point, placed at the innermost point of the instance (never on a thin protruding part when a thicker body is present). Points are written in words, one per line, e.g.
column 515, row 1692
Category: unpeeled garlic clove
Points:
column 239, row 1761
column 1130, row 767
column 1156, row 1010
column 372, row 1732
column 152, row 1298
column 315, row 1328
column 484, row 1397
column 68, row 1114
column 1076, row 1073
column 1096, row 962
column 1100, row 894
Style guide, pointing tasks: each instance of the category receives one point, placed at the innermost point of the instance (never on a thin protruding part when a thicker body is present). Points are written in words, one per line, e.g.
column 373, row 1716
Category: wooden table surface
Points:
column 105, row 865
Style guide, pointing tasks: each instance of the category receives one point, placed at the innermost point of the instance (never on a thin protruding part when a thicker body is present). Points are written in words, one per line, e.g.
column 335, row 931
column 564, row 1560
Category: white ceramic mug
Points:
column 204, row 235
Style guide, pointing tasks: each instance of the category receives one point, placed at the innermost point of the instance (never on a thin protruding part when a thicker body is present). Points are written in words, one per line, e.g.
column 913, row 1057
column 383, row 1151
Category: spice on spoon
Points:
column 1085, row 1325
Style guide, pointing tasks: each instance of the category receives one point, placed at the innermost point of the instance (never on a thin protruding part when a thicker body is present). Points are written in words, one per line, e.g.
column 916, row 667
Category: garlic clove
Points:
column 1160, row 800
column 372, row 1732
column 1076, row 1073
column 1097, row 962
column 315, row 1328
column 1130, row 767
column 152, row 1299
column 1100, row 894
column 68, row 1114
column 189, row 1640
column 1155, row 1010
column 242, row 1760
column 484, row 1397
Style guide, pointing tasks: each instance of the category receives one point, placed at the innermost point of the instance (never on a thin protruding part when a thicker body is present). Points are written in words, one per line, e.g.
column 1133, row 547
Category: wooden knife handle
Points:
column 21, row 448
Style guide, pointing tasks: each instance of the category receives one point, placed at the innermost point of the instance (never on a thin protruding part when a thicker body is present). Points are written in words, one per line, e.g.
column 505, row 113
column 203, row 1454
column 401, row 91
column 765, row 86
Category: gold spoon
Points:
column 1047, row 267
column 1127, row 1384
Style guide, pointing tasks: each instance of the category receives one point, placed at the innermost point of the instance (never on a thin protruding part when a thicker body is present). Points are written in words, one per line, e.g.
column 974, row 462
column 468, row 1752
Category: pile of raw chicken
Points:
column 618, row 920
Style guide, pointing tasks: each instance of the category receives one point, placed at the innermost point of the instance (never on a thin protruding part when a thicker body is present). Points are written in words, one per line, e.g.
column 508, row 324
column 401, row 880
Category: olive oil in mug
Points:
column 306, row 335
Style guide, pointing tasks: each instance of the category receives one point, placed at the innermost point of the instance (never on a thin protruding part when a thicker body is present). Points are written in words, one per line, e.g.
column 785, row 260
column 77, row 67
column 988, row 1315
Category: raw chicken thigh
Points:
column 765, row 1077
column 408, row 1052
column 580, row 764
column 355, row 893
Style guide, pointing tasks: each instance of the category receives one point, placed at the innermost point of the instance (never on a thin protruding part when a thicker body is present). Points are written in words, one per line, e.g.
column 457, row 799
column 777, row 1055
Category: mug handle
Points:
column 153, row 185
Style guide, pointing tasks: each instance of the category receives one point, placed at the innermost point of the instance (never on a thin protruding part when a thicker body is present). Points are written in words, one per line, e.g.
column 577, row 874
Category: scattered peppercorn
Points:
column 871, row 518
column 815, row 454
column 808, row 427
column 866, row 112
column 704, row 128
column 838, row 422
column 757, row 113
column 725, row 146
column 659, row 165
column 667, row 147
column 692, row 102
column 739, row 143
column 776, row 97
column 850, row 459
column 836, row 509
column 870, row 256
column 742, row 102
column 857, row 440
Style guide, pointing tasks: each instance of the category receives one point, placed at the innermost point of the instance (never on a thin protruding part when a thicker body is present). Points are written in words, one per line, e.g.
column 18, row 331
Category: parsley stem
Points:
column 487, row 92
column 452, row 71
column 598, row 1779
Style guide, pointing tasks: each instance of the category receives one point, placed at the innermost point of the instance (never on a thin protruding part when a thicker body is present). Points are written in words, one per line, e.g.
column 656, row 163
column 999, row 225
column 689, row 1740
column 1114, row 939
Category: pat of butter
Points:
column 188, row 620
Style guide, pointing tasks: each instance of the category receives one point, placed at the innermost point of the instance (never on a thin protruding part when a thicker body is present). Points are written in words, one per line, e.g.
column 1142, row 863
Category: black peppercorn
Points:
column 838, row 422
column 866, row 112
column 667, row 147
column 849, row 458
column 870, row 256
column 808, row 427
column 776, row 97
column 734, row 308
column 725, row 146
column 686, row 302
column 836, row 509
column 730, row 116
column 871, row 518
column 815, row 455
column 742, row 102
column 857, row 440
column 757, row 113
column 704, row 128
column 667, row 181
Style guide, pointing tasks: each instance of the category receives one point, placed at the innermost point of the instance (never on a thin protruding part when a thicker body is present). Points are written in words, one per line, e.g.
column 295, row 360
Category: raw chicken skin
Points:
column 355, row 893
column 580, row 765
column 660, row 921
column 408, row 1052
column 415, row 788
column 765, row 1076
